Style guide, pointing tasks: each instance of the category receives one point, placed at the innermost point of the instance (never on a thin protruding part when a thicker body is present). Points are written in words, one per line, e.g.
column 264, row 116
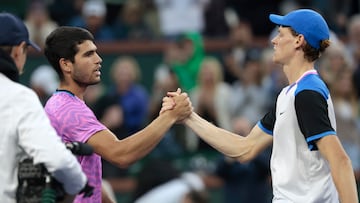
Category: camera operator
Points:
column 25, row 130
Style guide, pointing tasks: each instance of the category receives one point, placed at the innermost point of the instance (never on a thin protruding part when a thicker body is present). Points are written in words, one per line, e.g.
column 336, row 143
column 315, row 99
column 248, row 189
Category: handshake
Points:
column 178, row 105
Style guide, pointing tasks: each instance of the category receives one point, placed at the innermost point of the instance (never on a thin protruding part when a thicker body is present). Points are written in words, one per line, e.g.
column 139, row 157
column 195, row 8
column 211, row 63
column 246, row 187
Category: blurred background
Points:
column 218, row 51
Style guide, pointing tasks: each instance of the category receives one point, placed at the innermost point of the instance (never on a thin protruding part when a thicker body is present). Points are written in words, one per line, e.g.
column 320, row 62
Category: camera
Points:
column 35, row 183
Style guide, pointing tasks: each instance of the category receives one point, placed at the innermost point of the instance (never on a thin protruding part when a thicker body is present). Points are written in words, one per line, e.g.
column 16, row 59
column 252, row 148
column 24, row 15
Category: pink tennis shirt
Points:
column 74, row 121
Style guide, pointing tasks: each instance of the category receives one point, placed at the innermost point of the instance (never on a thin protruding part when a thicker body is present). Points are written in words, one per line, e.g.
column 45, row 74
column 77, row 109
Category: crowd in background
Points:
column 232, row 91
column 111, row 20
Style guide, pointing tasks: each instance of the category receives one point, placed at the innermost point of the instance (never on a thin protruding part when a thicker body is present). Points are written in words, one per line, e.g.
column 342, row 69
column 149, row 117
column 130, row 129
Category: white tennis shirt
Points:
column 304, row 114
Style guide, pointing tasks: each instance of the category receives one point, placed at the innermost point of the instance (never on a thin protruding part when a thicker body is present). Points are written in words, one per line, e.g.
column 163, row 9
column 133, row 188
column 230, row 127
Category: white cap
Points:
column 94, row 8
column 45, row 77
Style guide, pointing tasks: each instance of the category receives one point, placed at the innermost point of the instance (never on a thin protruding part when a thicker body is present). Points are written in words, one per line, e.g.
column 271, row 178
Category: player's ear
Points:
column 300, row 40
column 18, row 50
column 65, row 65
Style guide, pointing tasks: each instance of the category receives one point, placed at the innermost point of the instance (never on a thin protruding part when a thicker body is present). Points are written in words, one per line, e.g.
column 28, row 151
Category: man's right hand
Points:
column 178, row 104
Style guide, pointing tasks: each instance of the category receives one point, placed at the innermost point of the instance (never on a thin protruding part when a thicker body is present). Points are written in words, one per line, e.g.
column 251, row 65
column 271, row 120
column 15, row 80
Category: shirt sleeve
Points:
column 39, row 140
column 77, row 122
column 268, row 121
column 313, row 118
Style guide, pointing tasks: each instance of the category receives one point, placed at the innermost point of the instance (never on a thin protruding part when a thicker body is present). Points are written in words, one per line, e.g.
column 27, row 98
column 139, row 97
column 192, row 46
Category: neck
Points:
column 295, row 71
column 76, row 90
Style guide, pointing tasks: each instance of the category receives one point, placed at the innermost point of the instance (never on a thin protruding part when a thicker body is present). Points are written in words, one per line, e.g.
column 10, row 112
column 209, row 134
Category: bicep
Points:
column 313, row 116
column 104, row 144
column 331, row 149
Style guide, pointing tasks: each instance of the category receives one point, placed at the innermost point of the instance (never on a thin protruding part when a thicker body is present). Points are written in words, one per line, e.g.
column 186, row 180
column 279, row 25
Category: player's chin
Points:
column 95, row 81
column 275, row 59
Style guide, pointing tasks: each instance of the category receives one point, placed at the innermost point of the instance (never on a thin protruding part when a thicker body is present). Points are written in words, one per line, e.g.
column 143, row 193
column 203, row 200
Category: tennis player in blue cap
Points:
column 308, row 162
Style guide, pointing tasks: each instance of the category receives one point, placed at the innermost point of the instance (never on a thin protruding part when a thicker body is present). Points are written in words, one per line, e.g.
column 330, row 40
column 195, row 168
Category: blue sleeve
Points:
column 267, row 123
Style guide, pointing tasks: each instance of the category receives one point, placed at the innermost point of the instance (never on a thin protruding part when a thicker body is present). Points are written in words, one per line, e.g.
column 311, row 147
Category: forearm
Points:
column 340, row 166
column 228, row 143
column 343, row 177
column 126, row 151
column 141, row 143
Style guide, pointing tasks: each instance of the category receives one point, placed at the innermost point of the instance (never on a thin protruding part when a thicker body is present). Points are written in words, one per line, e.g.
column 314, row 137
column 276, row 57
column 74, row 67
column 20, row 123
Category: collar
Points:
column 65, row 91
column 309, row 72
column 8, row 67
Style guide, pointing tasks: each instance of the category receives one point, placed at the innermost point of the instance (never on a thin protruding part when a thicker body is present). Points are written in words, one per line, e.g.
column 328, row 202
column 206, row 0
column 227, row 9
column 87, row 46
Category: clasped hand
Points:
column 178, row 103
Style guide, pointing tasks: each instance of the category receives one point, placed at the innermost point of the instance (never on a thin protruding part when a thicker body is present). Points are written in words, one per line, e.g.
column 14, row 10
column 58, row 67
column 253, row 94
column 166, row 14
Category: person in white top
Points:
column 179, row 17
column 308, row 162
column 25, row 129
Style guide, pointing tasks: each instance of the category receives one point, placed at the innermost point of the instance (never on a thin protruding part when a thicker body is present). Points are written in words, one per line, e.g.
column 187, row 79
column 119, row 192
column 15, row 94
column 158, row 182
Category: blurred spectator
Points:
column 241, row 39
column 152, row 18
column 190, row 55
column 335, row 12
column 38, row 22
column 210, row 99
column 44, row 81
column 251, row 92
column 128, row 93
column 334, row 61
column 113, row 8
column 353, row 40
column 256, row 14
column 353, row 47
column 177, row 17
column 93, row 94
column 215, row 23
column 130, row 23
column 92, row 18
column 275, row 79
column 107, row 109
column 72, row 7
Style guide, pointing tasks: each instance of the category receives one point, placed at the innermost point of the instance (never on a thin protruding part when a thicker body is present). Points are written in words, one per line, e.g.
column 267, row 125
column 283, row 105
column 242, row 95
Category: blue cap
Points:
column 306, row 22
column 13, row 31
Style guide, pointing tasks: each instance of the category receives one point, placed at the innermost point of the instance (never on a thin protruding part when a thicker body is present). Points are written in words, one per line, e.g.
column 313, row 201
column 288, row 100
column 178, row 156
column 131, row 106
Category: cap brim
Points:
column 278, row 19
column 35, row 46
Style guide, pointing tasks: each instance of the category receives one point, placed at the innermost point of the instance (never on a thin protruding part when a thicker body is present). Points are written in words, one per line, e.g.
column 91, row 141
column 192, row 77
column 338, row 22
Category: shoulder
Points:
column 20, row 94
column 63, row 103
column 314, row 83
